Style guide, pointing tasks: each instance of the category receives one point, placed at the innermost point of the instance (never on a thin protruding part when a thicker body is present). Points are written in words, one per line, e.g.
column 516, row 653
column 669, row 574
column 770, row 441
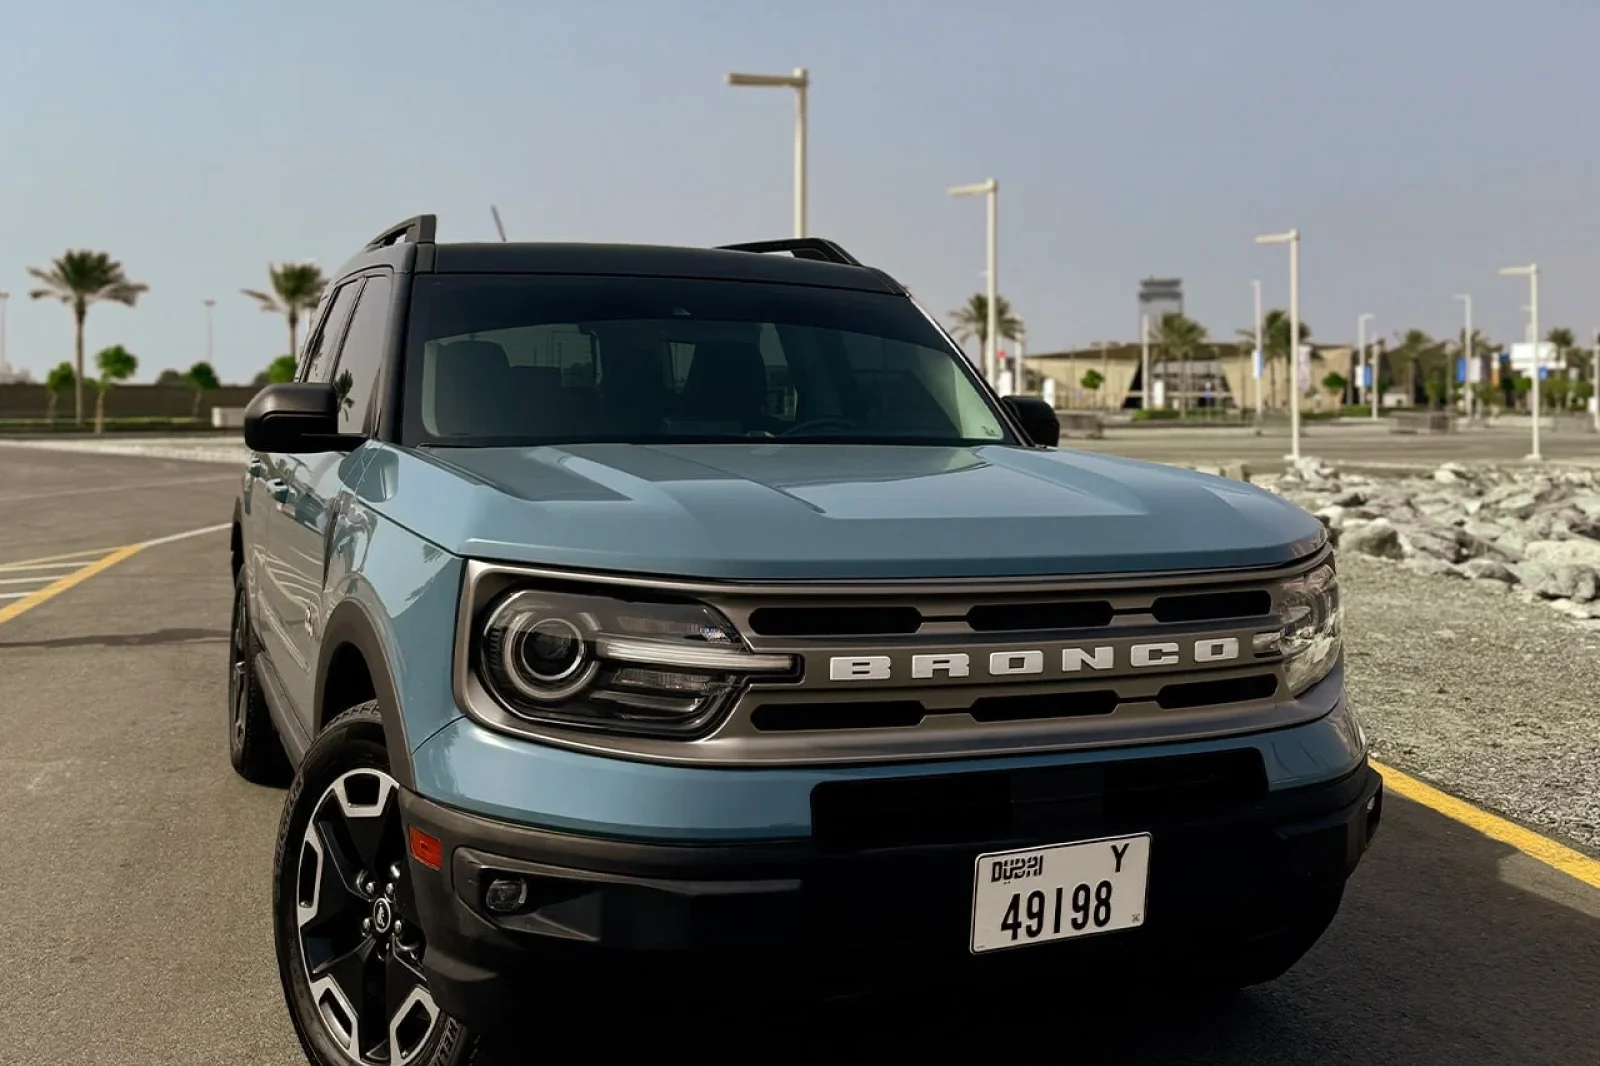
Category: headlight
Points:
column 1311, row 635
column 592, row 662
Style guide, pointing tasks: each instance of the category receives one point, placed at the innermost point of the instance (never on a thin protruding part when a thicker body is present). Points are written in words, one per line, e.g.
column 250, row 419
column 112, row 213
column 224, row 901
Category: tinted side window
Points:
column 318, row 361
column 361, row 357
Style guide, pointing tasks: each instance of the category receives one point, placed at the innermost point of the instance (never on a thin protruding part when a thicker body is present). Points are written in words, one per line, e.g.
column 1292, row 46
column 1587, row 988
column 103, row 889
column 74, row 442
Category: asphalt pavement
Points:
column 136, row 895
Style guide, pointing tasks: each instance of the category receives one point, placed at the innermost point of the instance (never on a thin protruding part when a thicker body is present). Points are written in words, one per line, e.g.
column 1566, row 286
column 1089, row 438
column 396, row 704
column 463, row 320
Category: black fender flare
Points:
column 351, row 624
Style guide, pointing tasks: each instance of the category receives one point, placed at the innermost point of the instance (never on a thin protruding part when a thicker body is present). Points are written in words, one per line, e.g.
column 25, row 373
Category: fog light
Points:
column 506, row 895
column 1372, row 803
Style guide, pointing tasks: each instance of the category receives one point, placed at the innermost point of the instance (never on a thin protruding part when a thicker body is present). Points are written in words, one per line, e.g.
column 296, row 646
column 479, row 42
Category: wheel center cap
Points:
column 382, row 916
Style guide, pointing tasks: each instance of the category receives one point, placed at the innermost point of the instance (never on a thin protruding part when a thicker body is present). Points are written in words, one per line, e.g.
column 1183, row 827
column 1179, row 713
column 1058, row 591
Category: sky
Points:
column 1418, row 145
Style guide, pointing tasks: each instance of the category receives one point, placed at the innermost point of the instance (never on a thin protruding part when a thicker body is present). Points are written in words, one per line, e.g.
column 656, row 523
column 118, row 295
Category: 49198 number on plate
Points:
column 1054, row 893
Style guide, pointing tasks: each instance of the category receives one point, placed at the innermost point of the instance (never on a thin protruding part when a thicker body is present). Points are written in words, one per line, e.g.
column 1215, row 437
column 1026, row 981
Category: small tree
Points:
column 281, row 369
column 56, row 382
column 1335, row 382
column 1092, row 380
column 116, row 364
column 200, row 377
column 1557, row 392
column 171, row 378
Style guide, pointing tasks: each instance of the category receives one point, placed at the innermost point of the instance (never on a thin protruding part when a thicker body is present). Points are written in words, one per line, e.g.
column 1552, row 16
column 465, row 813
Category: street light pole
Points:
column 1594, row 393
column 1292, row 239
column 210, row 304
column 991, row 189
column 799, row 81
column 1531, row 272
column 4, row 369
column 1361, row 357
column 1144, row 359
column 1261, row 354
column 1466, row 351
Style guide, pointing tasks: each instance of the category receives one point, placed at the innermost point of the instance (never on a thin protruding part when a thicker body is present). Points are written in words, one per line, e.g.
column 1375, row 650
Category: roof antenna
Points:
column 495, row 211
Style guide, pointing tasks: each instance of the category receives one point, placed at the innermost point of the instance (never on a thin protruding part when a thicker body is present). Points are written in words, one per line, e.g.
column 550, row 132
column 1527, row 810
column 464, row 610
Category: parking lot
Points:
column 136, row 895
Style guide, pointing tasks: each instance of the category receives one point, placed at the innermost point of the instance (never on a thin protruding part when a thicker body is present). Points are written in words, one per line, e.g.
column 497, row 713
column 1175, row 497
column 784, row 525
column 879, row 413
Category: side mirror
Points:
column 1038, row 419
column 294, row 417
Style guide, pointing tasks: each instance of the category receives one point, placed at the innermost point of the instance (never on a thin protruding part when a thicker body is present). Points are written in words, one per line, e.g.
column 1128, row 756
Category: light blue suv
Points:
column 636, row 618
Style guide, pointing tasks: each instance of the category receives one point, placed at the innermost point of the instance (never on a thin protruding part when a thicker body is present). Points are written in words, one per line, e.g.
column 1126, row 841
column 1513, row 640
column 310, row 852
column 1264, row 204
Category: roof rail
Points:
column 419, row 230
column 801, row 248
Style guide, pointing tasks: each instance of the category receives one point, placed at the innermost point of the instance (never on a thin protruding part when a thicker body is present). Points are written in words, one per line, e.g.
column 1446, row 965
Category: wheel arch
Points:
column 353, row 667
column 236, row 542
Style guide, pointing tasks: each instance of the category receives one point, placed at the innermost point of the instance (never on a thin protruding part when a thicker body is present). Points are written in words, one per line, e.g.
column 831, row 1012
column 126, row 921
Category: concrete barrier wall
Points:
column 123, row 401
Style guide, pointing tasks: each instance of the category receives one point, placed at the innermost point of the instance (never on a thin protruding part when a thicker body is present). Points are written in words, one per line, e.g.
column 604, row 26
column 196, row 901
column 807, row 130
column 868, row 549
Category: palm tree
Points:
column 116, row 364
column 972, row 321
column 1275, row 345
column 1422, row 356
column 55, row 383
column 1181, row 337
column 200, row 377
column 296, row 290
column 81, row 279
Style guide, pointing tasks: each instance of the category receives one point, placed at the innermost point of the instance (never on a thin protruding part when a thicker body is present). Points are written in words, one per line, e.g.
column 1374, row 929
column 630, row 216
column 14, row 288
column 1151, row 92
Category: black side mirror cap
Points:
column 295, row 417
column 1038, row 419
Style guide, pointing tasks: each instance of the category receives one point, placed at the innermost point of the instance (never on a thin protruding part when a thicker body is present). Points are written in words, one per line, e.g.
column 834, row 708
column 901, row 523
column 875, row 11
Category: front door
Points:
column 320, row 486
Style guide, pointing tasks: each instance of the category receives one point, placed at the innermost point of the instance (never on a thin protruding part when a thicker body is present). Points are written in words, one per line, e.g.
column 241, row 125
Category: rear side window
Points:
column 318, row 362
column 528, row 360
column 361, row 358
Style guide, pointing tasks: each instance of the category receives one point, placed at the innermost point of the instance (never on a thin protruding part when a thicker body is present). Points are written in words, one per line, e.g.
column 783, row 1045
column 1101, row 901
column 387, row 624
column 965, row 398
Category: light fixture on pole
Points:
column 1467, row 354
column 990, row 189
column 1292, row 239
column 1531, row 272
column 799, row 81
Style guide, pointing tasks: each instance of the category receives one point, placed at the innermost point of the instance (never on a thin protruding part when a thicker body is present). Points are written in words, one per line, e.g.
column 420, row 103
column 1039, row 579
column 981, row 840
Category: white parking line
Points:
column 14, row 595
column 136, row 486
column 17, row 568
column 218, row 528
column 25, row 580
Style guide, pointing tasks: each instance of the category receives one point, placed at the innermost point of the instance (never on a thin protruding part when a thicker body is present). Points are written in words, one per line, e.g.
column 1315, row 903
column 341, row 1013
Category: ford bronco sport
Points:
column 698, row 617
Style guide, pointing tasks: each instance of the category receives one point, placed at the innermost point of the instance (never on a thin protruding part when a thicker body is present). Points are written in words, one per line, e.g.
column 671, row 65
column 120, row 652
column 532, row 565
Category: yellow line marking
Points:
column 24, row 563
column 1557, row 856
column 62, row 584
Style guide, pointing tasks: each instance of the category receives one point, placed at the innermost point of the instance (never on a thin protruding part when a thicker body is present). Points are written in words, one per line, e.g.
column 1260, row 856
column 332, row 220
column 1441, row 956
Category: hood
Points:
column 842, row 512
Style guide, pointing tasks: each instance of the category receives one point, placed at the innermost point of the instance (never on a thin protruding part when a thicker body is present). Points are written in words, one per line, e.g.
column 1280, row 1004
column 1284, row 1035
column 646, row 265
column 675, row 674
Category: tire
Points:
column 253, row 745
column 346, row 771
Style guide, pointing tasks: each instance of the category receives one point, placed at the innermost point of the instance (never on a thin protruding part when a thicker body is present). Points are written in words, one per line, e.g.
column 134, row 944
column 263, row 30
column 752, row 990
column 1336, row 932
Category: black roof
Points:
column 813, row 261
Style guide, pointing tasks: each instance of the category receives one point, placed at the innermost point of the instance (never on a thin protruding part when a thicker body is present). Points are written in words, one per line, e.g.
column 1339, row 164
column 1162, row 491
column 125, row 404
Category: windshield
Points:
column 516, row 360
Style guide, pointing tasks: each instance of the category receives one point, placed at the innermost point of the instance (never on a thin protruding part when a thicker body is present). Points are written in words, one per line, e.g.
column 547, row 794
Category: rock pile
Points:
column 1532, row 532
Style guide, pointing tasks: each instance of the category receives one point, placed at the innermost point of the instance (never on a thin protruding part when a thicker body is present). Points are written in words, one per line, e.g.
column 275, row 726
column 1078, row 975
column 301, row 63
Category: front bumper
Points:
column 882, row 890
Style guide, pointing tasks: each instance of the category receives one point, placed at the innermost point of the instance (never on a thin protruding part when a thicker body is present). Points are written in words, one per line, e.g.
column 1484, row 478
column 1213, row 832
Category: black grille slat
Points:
column 881, row 714
column 1033, row 803
column 1039, row 617
column 1038, row 706
column 1190, row 694
column 835, row 621
column 1212, row 606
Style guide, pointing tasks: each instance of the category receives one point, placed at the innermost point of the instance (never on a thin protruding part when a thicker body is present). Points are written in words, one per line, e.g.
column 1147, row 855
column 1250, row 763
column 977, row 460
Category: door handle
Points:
column 277, row 488
column 256, row 467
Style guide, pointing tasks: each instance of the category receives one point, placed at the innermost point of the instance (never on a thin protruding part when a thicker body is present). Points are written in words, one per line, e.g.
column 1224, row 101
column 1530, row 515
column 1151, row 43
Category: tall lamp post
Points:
column 1531, row 272
column 1594, row 394
column 1467, row 354
column 799, row 81
column 990, row 189
column 1361, row 357
column 210, row 305
column 1260, row 355
column 4, row 296
column 1144, row 359
column 1292, row 239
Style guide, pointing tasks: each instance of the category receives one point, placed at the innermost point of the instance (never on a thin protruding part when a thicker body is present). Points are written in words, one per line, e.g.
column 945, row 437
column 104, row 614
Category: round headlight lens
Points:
column 546, row 658
column 551, row 650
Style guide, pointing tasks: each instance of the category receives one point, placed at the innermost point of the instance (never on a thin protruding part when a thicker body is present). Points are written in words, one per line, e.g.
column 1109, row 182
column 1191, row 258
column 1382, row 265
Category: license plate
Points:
column 1038, row 895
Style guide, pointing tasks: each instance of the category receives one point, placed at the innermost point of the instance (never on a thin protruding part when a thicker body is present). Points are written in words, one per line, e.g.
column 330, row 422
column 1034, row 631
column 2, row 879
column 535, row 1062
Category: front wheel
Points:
column 349, row 939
